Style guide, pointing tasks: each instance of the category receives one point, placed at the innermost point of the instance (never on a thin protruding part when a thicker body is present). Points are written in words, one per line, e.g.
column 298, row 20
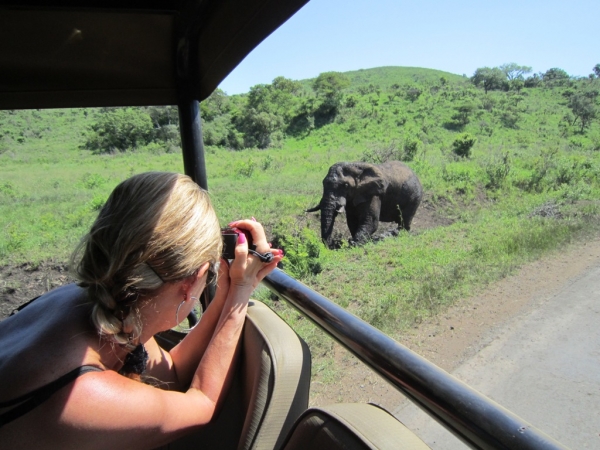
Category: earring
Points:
column 192, row 318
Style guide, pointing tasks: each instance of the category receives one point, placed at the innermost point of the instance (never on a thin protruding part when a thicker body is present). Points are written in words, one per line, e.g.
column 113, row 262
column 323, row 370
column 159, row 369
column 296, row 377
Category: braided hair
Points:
column 155, row 228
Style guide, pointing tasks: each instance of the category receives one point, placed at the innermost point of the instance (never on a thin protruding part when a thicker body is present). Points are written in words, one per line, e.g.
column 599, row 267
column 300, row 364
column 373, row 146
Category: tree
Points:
column 513, row 71
column 533, row 81
column 120, row 129
column 166, row 124
column 462, row 115
column 269, row 109
column 329, row 86
column 555, row 74
column 583, row 106
column 555, row 77
column 282, row 98
column 283, row 84
column 597, row 70
column 259, row 128
column 490, row 78
column 463, row 144
column 215, row 105
column 413, row 93
column 516, row 84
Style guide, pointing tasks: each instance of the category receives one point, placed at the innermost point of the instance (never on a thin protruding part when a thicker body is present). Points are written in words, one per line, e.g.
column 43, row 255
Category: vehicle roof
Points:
column 61, row 53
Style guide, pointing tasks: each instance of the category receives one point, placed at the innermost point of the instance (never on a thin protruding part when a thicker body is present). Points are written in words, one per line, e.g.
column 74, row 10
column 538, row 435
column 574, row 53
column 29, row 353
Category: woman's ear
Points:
column 203, row 269
column 189, row 282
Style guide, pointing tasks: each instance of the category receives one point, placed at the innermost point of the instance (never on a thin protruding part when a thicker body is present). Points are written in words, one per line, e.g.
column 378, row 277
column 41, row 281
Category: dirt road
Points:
column 543, row 365
column 531, row 342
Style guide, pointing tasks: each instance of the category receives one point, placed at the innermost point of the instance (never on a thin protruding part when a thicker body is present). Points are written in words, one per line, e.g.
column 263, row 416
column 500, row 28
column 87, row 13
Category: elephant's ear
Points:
column 371, row 182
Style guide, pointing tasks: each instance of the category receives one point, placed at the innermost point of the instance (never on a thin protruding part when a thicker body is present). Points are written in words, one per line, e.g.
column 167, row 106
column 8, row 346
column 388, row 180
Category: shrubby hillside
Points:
column 397, row 105
column 509, row 161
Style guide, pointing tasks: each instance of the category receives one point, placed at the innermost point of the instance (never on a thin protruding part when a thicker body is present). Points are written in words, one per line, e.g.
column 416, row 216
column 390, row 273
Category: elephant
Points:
column 370, row 193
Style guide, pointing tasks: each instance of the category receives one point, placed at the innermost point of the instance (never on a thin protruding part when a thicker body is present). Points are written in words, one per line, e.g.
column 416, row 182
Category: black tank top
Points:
column 25, row 403
column 135, row 362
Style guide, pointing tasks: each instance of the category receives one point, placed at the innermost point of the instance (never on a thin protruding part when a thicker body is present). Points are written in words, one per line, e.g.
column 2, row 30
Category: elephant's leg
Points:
column 408, row 212
column 353, row 221
column 368, row 219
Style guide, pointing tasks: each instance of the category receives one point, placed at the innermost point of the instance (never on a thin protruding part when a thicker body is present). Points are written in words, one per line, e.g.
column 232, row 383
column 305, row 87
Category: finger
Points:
column 256, row 231
column 266, row 270
column 241, row 248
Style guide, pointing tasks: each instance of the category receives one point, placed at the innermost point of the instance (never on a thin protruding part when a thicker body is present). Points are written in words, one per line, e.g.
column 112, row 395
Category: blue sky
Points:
column 455, row 36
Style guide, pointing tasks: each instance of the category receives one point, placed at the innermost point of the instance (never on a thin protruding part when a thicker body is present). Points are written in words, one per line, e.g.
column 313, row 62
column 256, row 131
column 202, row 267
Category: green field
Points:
column 529, row 186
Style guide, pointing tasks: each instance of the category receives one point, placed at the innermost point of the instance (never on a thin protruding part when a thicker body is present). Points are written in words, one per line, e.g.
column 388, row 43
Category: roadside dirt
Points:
column 464, row 329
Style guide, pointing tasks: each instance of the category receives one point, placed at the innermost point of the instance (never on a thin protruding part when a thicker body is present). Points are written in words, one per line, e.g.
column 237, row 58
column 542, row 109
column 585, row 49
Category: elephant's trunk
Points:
column 328, row 215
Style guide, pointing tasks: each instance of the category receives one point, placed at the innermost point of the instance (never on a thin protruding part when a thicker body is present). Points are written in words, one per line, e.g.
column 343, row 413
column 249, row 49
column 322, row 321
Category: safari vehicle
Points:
column 94, row 53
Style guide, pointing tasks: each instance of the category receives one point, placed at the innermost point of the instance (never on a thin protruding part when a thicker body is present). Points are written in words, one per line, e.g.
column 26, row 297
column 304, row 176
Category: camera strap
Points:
column 266, row 257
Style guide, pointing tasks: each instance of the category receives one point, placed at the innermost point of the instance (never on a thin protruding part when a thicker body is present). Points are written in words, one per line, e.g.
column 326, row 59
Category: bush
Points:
column 97, row 202
column 463, row 144
column 460, row 176
column 93, row 180
column 378, row 153
column 534, row 176
column 497, row 171
column 302, row 249
column 461, row 117
column 411, row 147
column 245, row 168
column 120, row 129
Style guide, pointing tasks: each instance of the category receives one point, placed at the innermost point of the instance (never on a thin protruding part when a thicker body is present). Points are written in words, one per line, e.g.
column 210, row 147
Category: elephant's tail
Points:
column 314, row 208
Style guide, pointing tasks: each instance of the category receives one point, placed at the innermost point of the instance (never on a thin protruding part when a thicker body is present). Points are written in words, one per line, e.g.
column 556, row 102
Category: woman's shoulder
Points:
column 106, row 410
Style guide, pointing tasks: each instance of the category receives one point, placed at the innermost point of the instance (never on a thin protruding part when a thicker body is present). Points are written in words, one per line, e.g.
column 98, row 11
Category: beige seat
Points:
column 351, row 426
column 270, row 390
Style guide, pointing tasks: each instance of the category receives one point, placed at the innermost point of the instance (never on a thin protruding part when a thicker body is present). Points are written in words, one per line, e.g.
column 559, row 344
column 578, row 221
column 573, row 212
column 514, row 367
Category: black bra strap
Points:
column 15, row 311
column 32, row 399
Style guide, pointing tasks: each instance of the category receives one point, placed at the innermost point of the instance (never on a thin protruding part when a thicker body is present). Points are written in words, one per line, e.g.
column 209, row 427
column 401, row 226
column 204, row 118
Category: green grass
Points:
column 51, row 189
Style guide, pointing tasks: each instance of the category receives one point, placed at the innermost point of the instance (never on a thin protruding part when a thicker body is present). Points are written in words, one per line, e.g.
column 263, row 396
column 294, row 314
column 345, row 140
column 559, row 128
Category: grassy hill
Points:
column 385, row 77
column 528, row 186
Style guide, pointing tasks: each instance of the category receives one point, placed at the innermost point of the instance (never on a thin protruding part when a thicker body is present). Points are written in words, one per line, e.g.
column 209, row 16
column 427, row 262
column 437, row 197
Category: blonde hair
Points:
column 155, row 228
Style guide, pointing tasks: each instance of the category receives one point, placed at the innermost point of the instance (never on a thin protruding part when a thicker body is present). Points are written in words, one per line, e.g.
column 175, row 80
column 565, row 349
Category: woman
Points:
column 141, row 269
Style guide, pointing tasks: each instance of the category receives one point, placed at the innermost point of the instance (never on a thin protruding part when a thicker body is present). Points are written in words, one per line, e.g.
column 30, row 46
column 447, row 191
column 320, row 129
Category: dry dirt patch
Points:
column 20, row 283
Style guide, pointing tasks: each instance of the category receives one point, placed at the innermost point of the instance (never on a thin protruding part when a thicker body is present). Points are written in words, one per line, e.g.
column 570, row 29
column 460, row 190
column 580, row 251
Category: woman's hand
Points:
column 222, row 283
column 247, row 269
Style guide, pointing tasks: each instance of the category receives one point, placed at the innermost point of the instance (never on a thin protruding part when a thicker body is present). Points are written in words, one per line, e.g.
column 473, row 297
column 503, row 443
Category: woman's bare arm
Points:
column 177, row 367
column 215, row 369
column 104, row 409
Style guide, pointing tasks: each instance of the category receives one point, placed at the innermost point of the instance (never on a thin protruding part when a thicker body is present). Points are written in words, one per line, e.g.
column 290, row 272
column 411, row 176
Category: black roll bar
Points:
column 472, row 417
column 475, row 419
column 191, row 141
column 187, row 73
